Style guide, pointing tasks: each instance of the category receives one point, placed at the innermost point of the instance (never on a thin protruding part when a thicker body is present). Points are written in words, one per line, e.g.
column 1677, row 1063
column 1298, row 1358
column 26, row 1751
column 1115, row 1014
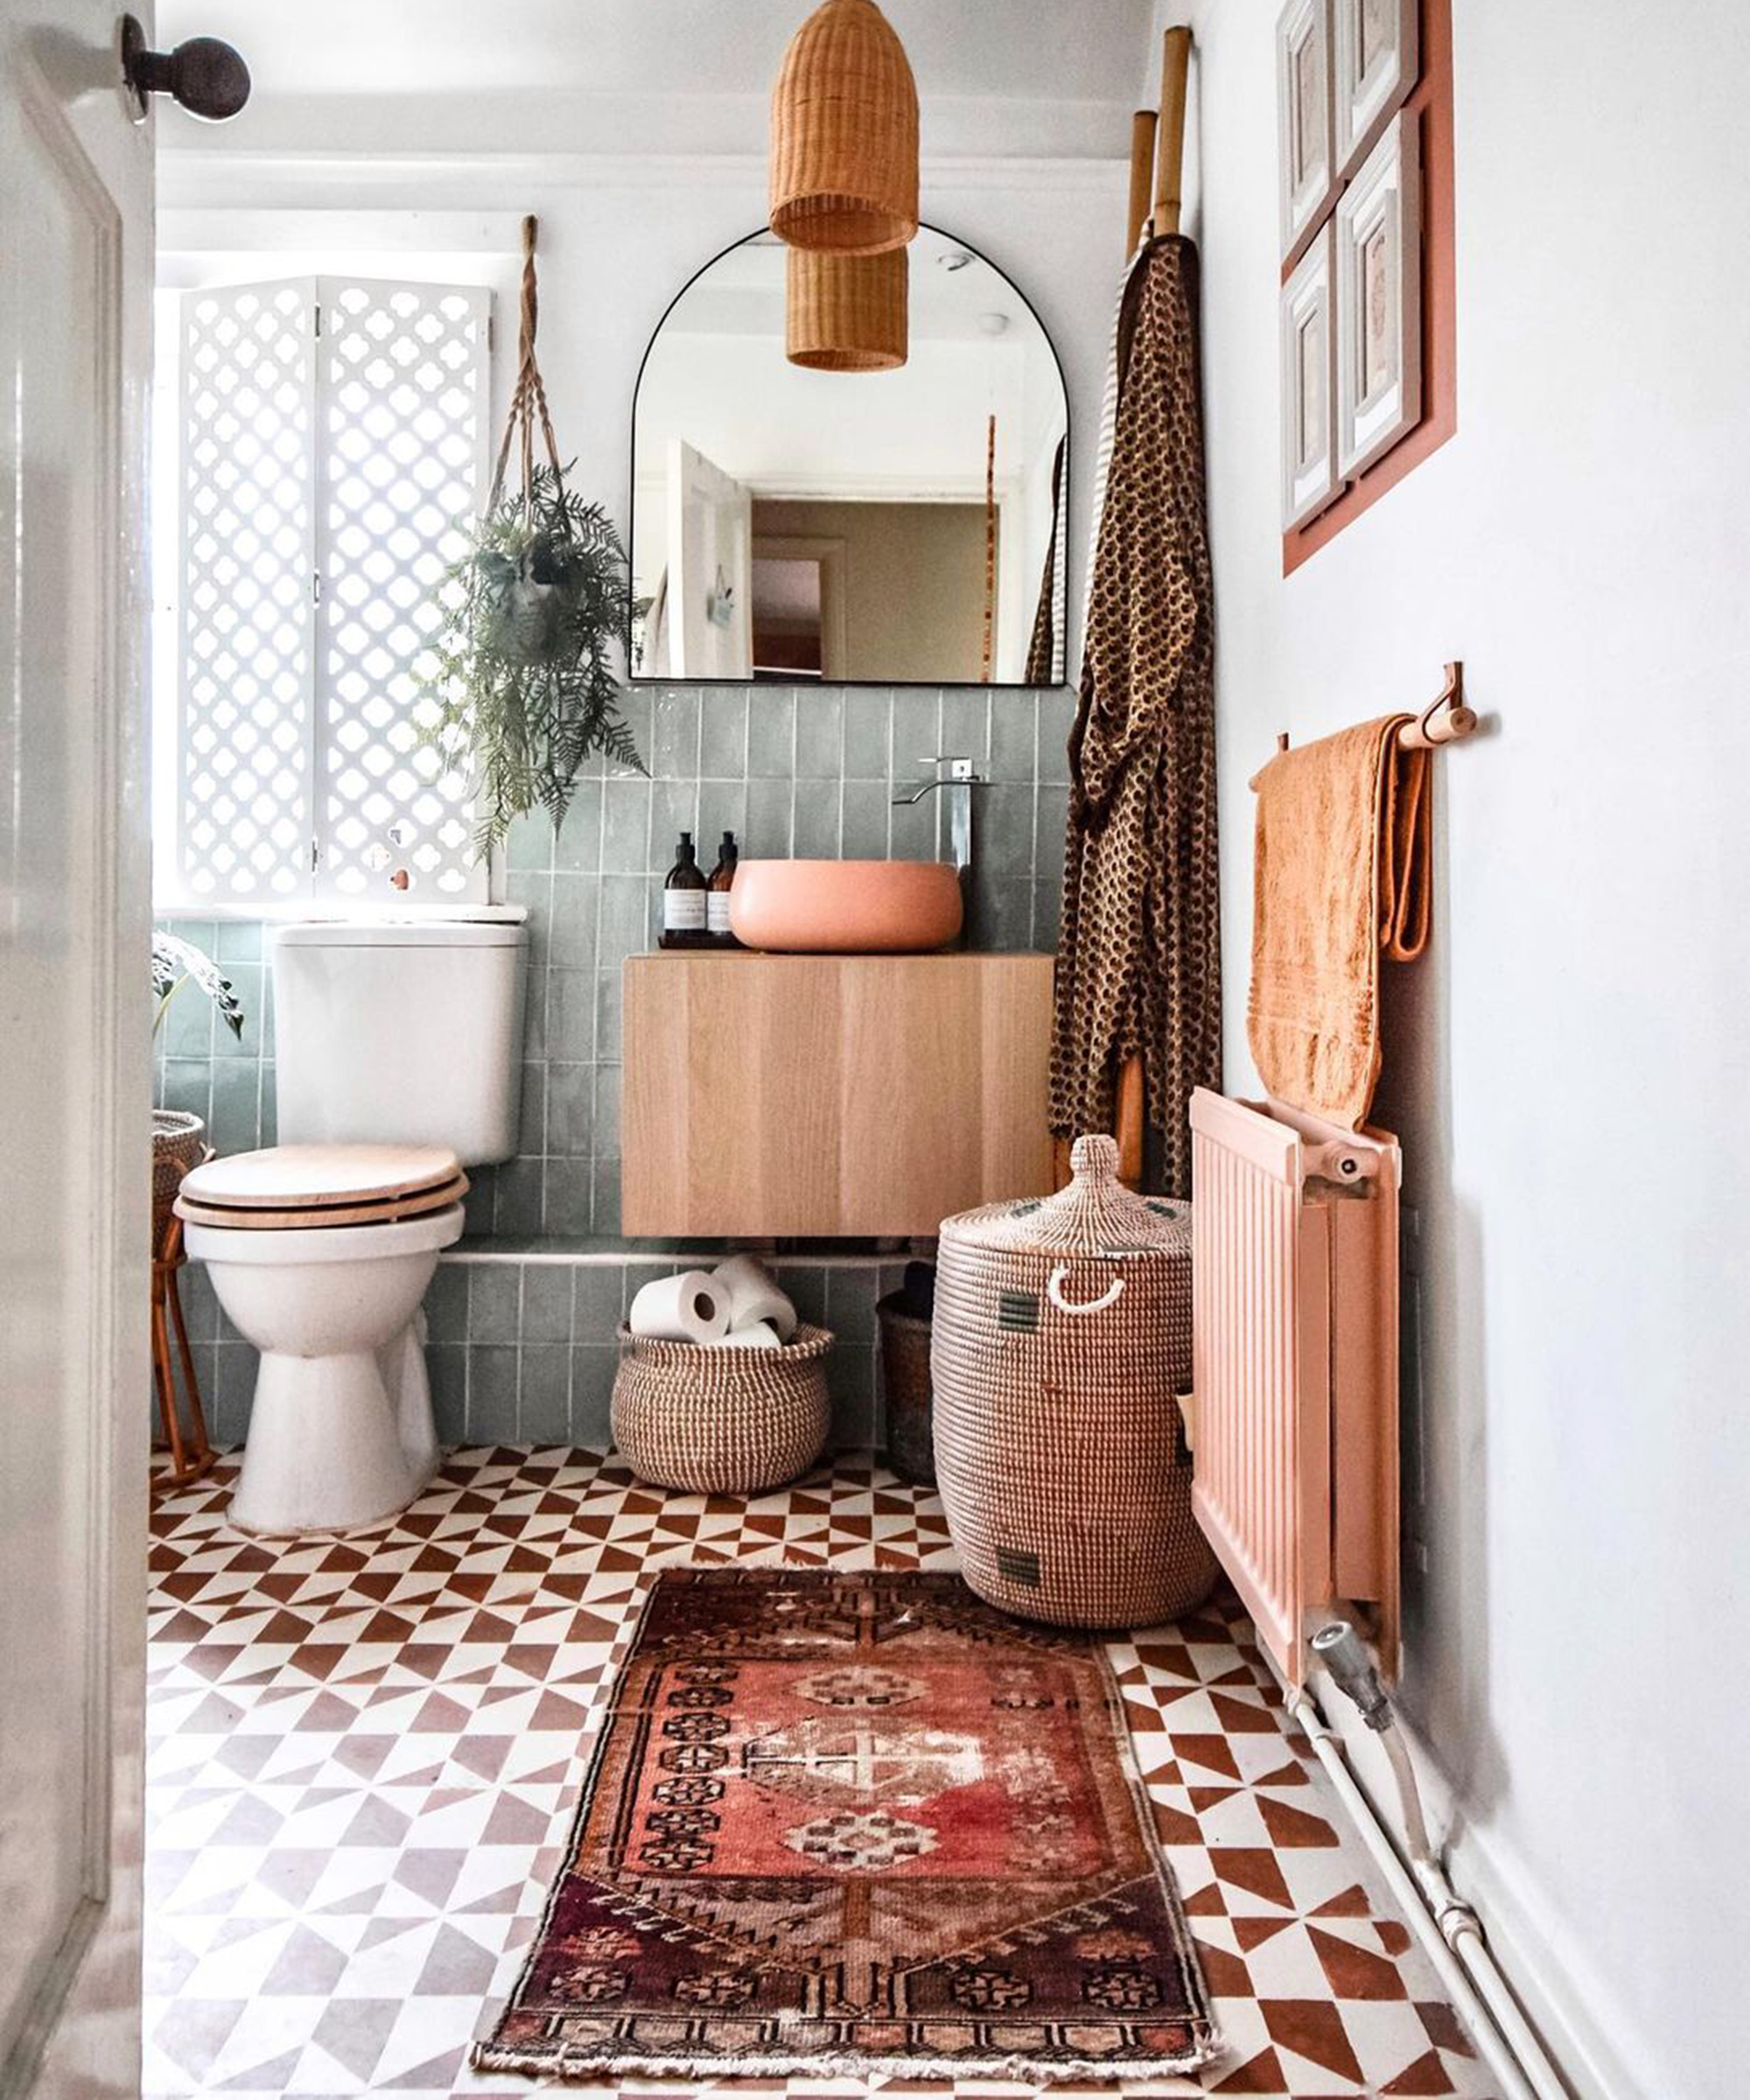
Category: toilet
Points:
column 397, row 1051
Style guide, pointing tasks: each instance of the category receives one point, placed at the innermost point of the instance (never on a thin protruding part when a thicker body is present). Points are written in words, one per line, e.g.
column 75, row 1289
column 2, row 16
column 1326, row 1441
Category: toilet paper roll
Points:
column 761, row 1335
column 752, row 1296
column 687, row 1308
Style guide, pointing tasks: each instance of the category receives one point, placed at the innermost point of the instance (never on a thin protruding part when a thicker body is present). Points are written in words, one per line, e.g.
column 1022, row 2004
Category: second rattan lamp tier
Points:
column 845, row 314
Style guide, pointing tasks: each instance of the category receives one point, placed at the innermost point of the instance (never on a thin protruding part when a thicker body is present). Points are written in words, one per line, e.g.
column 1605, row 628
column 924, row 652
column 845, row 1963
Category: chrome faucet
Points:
column 956, row 779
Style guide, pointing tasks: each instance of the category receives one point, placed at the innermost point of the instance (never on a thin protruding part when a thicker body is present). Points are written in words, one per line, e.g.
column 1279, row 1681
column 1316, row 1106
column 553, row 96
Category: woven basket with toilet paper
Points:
column 720, row 1390
column 1062, row 1332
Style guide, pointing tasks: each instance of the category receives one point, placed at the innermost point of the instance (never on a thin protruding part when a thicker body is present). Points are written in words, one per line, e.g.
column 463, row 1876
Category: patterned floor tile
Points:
column 364, row 1754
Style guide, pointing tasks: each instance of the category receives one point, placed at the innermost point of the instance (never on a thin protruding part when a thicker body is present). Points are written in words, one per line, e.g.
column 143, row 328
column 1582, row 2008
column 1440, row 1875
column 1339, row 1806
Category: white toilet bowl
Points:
column 341, row 1433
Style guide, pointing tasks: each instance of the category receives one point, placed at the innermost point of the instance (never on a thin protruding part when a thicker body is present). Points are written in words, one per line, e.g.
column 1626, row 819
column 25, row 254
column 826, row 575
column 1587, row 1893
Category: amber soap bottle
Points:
column 717, row 899
column 684, row 909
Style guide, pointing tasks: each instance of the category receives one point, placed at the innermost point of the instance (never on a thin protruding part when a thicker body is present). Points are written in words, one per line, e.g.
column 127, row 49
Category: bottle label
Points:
column 716, row 912
column 684, row 910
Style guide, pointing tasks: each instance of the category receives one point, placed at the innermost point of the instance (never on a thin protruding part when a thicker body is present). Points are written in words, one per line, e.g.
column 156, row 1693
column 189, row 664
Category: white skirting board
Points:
column 1568, row 2002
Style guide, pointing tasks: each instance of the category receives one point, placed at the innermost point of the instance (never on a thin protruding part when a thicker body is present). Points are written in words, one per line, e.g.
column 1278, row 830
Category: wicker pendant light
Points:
column 845, row 314
column 844, row 135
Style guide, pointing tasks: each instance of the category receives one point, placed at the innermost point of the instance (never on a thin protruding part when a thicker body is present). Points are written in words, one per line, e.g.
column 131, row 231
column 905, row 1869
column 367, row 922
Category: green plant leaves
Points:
column 523, row 679
column 177, row 963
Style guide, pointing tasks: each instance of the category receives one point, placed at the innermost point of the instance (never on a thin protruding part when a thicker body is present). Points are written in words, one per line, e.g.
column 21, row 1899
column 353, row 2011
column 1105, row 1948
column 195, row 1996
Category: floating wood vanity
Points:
column 832, row 1096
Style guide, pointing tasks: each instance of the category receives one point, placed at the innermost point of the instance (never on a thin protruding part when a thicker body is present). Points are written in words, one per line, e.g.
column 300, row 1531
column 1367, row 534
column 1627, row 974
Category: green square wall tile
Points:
column 596, row 1309
column 544, row 1394
column 723, row 734
column 570, row 1197
column 571, row 928
column 446, row 1303
column 494, row 1301
column 771, row 733
column 593, row 1373
column 447, row 1369
column 546, row 1302
column 492, row 1394
column 868, row 726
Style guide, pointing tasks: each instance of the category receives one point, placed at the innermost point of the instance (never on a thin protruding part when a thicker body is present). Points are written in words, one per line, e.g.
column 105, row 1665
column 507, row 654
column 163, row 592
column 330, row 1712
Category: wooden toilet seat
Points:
column 304, row 1187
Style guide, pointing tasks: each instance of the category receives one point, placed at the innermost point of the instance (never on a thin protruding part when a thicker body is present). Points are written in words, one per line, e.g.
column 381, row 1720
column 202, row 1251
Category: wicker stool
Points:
column 1062, row 1333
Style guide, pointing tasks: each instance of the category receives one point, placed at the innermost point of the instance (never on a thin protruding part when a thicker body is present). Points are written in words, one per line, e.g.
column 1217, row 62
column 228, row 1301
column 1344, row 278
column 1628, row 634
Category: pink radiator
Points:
column 1294, row 1368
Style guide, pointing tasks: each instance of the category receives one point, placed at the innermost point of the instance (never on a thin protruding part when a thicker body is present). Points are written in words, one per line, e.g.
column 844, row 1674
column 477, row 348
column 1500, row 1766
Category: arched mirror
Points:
column 894, row 526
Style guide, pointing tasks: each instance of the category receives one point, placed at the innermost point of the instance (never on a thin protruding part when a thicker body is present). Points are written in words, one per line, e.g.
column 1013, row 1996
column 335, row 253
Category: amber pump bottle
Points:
column 684, row 900
column 717, row 902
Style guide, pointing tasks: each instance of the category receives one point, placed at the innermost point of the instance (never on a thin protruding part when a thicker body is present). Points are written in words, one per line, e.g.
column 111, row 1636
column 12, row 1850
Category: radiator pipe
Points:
column 1448, row 1928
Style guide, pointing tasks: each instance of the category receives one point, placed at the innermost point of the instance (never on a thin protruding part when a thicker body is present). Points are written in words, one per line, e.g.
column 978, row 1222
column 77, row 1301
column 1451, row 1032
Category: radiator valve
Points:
column 1340, row 1649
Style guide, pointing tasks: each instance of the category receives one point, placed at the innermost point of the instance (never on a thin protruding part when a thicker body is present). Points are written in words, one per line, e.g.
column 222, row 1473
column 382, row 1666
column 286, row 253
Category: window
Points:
column 330, row 442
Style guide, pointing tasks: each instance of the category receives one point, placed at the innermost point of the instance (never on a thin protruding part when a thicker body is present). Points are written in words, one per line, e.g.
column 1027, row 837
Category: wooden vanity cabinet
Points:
column 830, row 1096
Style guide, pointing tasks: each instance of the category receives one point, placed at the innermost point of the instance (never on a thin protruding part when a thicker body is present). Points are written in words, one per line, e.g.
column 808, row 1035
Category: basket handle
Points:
column 1109, row 1296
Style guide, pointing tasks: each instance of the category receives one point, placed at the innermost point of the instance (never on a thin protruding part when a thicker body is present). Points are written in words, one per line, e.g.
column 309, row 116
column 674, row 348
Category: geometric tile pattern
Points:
column 363, row 1758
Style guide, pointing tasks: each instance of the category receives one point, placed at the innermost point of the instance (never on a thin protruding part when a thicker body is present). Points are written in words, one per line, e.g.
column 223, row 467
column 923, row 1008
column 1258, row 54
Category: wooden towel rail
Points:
column 1158, row 148
column 1157, row 151
column 1447, row 720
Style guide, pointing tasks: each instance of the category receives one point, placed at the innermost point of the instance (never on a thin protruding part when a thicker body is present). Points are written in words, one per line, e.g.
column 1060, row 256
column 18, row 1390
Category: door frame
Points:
column 82, row 2033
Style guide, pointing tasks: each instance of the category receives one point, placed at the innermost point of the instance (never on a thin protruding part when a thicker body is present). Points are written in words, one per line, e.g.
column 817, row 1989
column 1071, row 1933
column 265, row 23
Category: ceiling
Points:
column 1026, row 76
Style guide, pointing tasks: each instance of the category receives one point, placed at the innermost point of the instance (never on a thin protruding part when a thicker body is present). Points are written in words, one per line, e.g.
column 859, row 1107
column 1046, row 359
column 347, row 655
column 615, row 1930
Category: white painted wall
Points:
column 619, row 236
column 1569, row 1066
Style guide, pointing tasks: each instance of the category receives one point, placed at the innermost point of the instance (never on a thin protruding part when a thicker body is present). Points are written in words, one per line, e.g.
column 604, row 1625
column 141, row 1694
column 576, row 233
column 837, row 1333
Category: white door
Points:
column 710, row 569
column 75, row 289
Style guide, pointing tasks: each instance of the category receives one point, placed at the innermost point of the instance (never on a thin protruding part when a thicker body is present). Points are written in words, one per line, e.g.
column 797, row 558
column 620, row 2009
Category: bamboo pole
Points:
column 1142, row 173
column 1175, row 67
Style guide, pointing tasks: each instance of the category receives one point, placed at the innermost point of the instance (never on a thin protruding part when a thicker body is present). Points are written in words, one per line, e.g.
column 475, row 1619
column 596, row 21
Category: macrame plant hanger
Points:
column 528, row 398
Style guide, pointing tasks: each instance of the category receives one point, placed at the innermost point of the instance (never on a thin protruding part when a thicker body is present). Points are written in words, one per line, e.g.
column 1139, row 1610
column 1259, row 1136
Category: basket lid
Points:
column 1096, row 1214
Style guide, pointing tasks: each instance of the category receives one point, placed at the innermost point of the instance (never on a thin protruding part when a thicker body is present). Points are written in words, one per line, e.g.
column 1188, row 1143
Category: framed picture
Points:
column 1310, row 479
column 1379, row 300
column 1305, row 170
column 1376, row 61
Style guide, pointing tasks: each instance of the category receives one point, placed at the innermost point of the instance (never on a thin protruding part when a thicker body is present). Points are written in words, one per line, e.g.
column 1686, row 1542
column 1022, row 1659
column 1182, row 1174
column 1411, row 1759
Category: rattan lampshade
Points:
column 845, row 314
column 844, row 135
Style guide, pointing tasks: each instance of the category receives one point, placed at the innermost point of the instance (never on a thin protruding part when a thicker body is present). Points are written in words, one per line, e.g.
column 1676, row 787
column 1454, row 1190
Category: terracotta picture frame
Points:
column 1378, row 300
column 1308, row 353
column 1306, row 165
column 1373, row 68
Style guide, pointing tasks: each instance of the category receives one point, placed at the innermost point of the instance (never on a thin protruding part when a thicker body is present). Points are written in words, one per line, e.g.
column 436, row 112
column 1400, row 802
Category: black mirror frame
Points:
column 645, row 678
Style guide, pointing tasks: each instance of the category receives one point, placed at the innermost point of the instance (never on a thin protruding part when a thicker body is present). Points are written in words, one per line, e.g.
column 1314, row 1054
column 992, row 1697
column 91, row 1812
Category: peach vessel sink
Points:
column 845, row 907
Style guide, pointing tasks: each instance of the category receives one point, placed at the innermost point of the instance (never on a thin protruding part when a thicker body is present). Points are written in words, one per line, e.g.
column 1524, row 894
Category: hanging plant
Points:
column 523, row 679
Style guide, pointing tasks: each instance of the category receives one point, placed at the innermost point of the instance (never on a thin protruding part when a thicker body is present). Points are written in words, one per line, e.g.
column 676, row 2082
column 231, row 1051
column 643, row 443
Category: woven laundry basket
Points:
column 906, row 1389
column 1062, row 1332
column 720, row 1421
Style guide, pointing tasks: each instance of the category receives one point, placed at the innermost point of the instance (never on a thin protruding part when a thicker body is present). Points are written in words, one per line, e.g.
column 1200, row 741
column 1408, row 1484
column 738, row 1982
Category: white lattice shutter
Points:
column 335, row 433
column 401, row 392
column 246, row 655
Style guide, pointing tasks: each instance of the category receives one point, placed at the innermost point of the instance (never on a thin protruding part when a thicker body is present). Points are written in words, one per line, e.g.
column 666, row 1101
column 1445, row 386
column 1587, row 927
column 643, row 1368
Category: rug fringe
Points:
column 493, row 2057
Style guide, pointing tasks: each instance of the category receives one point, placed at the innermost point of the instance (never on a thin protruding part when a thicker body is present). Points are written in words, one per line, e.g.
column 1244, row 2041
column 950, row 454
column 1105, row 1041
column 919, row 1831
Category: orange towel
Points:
column 1341, row 877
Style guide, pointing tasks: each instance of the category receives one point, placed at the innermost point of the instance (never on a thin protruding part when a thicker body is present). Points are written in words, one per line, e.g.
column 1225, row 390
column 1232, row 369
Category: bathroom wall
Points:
column 1570, row 1065
column 811, row 771
column 633, row 192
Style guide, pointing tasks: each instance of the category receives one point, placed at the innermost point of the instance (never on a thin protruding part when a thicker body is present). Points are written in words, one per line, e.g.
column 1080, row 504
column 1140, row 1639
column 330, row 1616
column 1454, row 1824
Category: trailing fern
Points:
column 523, row 678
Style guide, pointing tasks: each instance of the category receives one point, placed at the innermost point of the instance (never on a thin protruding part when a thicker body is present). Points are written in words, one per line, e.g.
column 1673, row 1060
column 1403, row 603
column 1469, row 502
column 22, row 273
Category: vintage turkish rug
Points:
column 858, row 1824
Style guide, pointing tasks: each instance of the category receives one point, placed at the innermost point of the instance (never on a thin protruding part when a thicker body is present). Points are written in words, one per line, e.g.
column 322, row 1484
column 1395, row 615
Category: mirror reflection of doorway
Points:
column 798, row 607
column 829, row 580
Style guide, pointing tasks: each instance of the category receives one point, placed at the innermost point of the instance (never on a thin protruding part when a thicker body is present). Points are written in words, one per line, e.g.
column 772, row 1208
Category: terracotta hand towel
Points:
column 1341, row 877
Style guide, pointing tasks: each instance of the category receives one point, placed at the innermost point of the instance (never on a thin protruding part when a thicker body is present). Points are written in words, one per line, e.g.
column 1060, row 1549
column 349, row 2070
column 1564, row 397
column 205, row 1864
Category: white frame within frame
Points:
column 1310, row 479
column 1379, row 238
column 1369, row 86
column 1306, row 158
